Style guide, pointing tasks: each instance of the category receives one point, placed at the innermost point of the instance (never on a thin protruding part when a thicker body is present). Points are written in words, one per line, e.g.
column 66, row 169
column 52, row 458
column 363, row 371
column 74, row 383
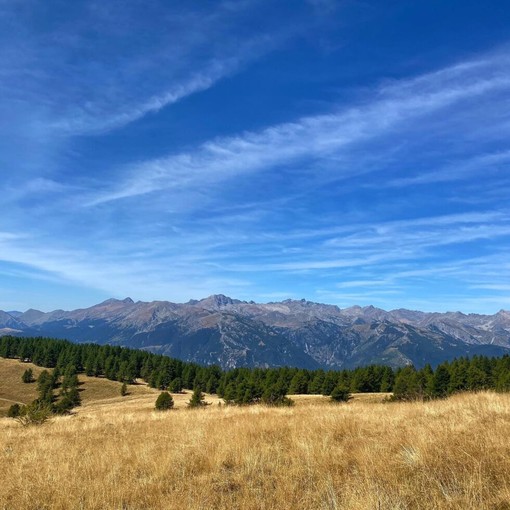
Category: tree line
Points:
column 251, row 385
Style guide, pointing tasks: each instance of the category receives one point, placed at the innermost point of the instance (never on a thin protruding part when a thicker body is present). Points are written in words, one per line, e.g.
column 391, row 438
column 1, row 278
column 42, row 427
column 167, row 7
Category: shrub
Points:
column 164, row 402
column 35, row 413
column 14, row 411
column 340, row 394
column 28, row 376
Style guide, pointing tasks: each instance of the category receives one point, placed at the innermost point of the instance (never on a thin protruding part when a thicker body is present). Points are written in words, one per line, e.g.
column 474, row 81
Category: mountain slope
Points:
column 233, row 333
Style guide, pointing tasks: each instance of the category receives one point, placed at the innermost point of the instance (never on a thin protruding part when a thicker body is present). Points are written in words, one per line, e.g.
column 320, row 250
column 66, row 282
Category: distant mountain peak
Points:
column 218, row 300
column 111, row 301
column 294, row 332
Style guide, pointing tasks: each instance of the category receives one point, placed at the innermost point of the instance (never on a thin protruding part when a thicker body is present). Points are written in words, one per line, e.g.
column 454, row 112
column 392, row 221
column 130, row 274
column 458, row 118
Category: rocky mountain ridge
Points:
column 233, row 333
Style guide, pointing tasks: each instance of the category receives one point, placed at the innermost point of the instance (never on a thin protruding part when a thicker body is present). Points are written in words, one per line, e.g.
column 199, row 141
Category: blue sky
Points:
column 348, row 152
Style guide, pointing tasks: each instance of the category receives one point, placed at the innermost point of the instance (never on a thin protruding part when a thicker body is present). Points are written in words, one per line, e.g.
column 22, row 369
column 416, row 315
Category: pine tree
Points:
column 123, row 389
column 197, row 399
column 340, row 394
column 440, row 382
column 299, row 383
column 387, row 380
column 164, row 402
column 28, row 376
column 45, row 387
column 176, row 385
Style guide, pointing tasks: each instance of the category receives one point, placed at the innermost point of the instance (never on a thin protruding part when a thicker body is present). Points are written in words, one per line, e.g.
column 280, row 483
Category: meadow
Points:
column 119, row 453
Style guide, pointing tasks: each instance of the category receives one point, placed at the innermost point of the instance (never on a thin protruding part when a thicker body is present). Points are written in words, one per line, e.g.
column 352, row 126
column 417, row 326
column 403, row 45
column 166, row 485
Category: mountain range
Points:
column 233, row 333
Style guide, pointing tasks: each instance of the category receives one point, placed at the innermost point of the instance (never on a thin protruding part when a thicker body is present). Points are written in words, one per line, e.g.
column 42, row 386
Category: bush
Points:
column 28, row 376
column 340, row 394
column 164, row 402
column 35, row 413
column 14, row 411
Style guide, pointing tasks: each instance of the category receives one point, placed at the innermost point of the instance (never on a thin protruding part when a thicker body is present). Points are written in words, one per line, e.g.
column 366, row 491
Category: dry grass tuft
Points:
column 452, row 454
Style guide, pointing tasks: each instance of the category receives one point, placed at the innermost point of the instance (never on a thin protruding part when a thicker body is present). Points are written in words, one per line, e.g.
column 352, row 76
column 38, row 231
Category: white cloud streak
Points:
column 314, row 137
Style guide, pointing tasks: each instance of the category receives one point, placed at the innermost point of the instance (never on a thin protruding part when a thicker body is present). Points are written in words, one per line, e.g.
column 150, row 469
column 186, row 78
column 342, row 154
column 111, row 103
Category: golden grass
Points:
column 94, row 391
column 452, row 454
column 11, row 388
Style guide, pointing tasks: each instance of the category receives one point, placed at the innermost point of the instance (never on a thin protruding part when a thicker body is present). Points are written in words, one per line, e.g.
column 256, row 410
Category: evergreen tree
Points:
column 176, row 385
column 28, row 376
column 197, row 399
column 123, row 389
column 275, row 395
column 315, row 385
column 164, row 402
column 229, row 395
column 477, row 377
column 405, row 387
column 14, row 411
column 299, row 383
column 330, row 381
column 45, row 387
column 440, row 382
column 340, row 394
column 387, row 380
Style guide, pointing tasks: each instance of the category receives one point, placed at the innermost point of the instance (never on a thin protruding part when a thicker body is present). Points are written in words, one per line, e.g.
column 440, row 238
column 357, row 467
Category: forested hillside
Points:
column 245, row 385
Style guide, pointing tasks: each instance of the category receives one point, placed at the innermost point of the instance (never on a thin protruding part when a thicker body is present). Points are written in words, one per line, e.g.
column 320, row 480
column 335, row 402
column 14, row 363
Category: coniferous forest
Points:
column 244, row 386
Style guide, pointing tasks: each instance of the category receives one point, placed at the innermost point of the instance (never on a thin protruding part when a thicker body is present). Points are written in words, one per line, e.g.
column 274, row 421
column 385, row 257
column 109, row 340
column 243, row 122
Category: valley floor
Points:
column 119, row 453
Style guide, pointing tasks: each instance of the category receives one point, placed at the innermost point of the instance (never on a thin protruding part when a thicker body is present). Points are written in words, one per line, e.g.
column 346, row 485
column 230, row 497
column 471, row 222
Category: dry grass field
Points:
column 118, row 453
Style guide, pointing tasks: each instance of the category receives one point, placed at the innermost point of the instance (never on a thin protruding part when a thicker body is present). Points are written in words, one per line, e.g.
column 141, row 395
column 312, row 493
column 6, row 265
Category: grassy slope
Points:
column 97, row 392
column 11, row 388
column 94, row 391
column 120, row 453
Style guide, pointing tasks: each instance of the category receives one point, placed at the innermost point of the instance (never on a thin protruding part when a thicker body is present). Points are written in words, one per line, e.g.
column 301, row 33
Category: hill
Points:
column 233, row 333
column 94, row 391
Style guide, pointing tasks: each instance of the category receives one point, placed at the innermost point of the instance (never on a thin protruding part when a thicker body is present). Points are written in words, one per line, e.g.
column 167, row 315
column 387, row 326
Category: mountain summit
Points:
column 233, row 333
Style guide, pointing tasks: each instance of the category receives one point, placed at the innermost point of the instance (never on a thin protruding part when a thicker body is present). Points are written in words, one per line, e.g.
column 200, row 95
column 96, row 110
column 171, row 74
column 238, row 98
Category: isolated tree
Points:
column 123, row 389
column 164, row 402
column 197, row 399
column 28, row 376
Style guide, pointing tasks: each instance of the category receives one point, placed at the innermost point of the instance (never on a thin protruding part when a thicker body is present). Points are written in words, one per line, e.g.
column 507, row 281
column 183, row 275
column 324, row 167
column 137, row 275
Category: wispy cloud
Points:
column 309, row 138
column 74, row 84
column 478, row 165
column 399, row 192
